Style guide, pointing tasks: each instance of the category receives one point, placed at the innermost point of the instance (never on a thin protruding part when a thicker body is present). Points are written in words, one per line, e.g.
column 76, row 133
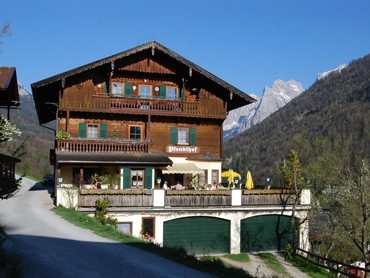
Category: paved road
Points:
column 52, row 247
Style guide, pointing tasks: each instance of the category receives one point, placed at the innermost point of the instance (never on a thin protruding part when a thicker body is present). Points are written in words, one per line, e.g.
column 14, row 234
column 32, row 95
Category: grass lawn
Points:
column 272, row 262
column 309, row 268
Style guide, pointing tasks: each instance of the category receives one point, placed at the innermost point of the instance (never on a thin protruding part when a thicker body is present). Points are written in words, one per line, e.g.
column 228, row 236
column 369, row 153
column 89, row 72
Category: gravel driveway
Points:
column 52, row 247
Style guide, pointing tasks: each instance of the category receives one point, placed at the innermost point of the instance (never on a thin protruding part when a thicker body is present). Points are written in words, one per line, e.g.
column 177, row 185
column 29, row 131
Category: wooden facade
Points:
column 144, row 109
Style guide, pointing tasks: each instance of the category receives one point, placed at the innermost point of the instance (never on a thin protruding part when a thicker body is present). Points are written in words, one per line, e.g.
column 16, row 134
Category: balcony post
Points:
column 236, row 197
column 305, row 197
column 158, row 197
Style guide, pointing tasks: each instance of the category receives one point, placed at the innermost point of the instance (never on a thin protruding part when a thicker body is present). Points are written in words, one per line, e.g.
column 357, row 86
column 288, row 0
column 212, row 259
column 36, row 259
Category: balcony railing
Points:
column 204, row 108
column 109, row 145
column 192, row 198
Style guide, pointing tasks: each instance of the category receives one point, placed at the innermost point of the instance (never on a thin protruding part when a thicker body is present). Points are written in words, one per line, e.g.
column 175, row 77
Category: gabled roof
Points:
column 46, row 91
column 9, row 95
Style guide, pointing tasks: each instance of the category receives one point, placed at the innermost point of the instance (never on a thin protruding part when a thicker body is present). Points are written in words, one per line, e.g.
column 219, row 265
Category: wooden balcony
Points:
column 153, row 106
column 137, row 198
column 108, row 145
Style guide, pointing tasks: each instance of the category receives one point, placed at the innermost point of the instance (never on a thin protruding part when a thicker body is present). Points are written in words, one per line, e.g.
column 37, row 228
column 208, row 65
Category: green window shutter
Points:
column 82, row 130
column 182, row 93
column 173, row 138
column 148, row 178
column 103, row 130
column 105, row 88
column 162, row 92
column 126, row 178
column 193, row 136
column 128, row 89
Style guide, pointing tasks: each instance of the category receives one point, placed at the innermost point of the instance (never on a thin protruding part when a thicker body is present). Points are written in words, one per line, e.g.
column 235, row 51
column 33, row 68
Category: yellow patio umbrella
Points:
column 249, row 181
column 231, row 175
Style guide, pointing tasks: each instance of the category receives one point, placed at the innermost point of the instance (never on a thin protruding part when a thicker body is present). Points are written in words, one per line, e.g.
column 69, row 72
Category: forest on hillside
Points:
column 334, row 108
column 32, row 146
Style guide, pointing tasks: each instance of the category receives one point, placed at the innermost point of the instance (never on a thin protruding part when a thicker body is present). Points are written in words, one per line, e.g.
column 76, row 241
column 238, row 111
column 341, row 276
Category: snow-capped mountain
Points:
column 22, row 91
column 272, row 99
column 325, row 74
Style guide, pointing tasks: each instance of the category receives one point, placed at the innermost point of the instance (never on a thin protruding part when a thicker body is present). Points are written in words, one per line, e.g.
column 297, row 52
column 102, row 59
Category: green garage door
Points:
column 264, row 233
column 199, row 235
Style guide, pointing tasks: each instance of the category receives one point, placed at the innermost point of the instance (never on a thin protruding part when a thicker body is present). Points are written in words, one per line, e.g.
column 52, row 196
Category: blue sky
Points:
column 247, row 43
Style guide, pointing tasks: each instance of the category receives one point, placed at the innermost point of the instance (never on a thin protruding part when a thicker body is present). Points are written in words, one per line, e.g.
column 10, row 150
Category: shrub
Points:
column 101, row 210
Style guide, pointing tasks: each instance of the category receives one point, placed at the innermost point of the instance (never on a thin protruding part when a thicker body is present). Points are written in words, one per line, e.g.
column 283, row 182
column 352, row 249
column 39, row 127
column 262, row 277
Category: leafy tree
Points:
column 7, row 130
column 291, row 177
column 348, row 204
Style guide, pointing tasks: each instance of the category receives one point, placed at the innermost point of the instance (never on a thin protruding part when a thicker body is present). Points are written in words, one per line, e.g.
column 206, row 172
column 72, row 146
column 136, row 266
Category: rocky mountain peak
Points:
column 272, row 99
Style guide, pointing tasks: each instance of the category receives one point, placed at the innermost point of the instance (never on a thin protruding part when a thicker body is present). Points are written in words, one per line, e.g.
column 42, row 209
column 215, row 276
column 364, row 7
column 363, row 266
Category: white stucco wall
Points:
column 234, row 216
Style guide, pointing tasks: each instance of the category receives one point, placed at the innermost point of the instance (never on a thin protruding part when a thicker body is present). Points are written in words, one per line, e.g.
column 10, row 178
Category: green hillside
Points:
column 337, row 106
column 35, row 140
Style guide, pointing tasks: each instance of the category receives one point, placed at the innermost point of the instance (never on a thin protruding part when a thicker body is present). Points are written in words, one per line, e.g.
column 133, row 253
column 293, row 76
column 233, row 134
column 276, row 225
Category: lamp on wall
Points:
column 60, row 180
column 159, row 180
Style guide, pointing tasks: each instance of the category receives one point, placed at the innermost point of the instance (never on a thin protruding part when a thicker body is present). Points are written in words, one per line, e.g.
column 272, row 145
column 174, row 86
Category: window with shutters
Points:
column 92, row 131
column 183, row 136
column 137, row 177
column 118, row 89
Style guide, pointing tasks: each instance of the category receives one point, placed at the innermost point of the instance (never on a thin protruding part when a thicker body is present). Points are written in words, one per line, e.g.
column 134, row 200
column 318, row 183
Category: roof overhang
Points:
column 147, row 159
column 9, row 94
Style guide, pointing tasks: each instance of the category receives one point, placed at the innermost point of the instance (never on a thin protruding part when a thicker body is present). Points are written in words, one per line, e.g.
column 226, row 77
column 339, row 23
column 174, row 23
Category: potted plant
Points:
column 61, row 134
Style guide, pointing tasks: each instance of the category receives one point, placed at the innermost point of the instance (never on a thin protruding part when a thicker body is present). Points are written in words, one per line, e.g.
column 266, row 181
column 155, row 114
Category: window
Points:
column 171, row 92
column 92, row 131
column 125, row 227
column 215, row 176
column 135, row 132
column 137, row 177
column 145, row 91
column 183, row 136
column 148, row 230
column 118, row 88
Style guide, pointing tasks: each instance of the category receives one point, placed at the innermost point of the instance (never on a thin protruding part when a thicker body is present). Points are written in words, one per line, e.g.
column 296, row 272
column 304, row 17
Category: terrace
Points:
column 135, row 198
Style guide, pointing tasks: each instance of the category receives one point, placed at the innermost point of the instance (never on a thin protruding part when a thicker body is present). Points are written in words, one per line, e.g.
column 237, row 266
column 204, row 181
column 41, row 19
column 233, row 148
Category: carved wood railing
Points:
column 112, row 145
column 204, row 108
